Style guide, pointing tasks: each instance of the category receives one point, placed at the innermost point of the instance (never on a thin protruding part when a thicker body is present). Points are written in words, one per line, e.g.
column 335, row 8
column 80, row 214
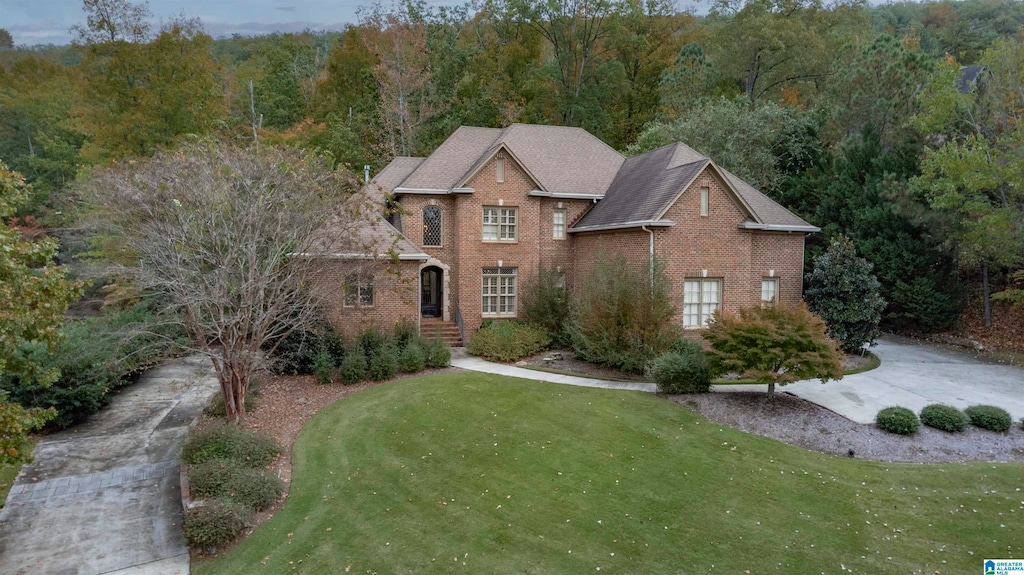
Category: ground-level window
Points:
column 701, row 297
column 358, row 291
column 432, row 226
column 500, row 224
column 558, row 225
column 499, row 291
column 769, row 290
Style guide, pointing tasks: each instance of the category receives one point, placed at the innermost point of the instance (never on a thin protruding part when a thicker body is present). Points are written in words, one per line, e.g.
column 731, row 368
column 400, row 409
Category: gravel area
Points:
column 799, row 422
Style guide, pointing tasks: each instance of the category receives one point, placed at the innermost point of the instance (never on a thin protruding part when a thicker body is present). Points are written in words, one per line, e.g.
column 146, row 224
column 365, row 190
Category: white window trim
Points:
column 505, row 277
column 702, row 316
column 500, row 229
column 555, row 225
column 770, row 280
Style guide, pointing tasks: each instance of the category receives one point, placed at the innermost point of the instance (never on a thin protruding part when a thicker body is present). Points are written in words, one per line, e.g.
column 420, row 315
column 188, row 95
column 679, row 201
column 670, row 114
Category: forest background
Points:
column 897, row 125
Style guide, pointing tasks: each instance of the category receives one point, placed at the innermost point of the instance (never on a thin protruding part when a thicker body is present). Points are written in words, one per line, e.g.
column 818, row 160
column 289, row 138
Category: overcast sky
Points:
column 33, row 22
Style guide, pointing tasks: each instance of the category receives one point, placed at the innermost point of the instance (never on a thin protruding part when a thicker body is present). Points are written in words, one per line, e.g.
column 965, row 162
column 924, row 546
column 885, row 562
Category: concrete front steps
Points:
column 431, row 327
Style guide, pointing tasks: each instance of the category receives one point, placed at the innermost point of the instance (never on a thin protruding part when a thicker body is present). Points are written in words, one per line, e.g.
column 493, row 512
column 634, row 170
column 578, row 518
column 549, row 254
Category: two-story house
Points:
column 487, row 208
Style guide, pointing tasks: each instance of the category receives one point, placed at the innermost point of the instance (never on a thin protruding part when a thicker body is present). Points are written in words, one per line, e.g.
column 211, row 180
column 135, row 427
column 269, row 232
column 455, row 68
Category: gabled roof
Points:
column 562, row 160
column 648, row 184
column 399, row 169
column 360, row 233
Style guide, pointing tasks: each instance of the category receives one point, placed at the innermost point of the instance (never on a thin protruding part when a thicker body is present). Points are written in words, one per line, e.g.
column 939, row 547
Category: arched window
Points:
column 432, row 226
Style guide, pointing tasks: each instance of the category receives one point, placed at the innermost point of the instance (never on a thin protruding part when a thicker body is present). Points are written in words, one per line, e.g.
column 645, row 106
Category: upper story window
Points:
column 558, row 225
column 500, row 224
column 704, row 201
column 499, row 168
column 701, row 298
column 432, row 226
column 769, row 291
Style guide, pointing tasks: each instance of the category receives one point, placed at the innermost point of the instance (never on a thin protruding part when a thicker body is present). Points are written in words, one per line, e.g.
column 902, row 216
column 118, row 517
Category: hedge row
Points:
column 944, row 417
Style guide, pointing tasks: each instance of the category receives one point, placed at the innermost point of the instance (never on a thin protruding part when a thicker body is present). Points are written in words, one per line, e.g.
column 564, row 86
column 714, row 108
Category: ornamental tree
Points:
column 229, row 237
column 776, row 344
column 843, row 290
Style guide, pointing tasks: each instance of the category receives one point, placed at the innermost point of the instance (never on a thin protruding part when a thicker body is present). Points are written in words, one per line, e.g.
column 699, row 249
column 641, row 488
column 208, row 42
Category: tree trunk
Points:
column 985, row 293
column 771, row 392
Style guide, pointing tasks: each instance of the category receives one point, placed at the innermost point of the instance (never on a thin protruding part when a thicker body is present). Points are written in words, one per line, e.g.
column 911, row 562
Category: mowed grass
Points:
column 474, row 473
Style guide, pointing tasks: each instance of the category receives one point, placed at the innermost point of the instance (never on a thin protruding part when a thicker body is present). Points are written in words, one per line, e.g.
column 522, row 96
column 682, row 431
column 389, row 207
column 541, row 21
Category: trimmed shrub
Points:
column 230, row 442
column 899, row 420
column 989, row 417
column 323, row 365
column 683, row 371
column 213, row 478
column 944, row 417
column 353, row 366
column 227, row 479
column 384, row 363
column 508, row 341
column 437, row 353
column 412, row 358
column 372, row 341
column 215, row 523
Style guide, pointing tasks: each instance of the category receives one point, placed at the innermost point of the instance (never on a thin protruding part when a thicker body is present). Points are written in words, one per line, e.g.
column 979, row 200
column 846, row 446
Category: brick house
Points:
column 487, row 208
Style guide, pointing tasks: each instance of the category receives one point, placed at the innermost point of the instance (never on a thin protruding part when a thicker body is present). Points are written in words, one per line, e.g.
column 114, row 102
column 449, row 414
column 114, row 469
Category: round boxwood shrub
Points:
column 256, row 489
column 226, row 479
column 989, row 417
column 898, row 420
column 944, row 417
column 215, row 523
column 230, row 442
column 213, row 478
column 682, row 371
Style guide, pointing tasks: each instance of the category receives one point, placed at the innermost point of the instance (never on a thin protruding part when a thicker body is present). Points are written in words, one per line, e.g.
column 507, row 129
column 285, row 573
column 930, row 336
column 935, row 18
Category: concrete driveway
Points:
column 913, row 375
column 105, row 496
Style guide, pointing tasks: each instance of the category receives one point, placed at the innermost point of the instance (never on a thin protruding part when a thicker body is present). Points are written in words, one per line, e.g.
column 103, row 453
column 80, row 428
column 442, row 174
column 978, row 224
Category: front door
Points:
column 430, row 291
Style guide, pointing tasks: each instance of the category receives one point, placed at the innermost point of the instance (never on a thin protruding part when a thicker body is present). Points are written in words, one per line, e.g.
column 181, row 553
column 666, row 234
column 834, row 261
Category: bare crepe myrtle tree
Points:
column 232, row 237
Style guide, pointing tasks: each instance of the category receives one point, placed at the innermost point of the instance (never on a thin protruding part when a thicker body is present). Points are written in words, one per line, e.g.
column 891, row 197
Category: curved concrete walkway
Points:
column 912, row 375
column 105, row 496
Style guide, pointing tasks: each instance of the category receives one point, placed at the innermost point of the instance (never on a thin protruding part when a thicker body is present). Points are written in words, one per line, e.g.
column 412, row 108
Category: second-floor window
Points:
column 558, row 225
column 500, row 224
column 432, row 226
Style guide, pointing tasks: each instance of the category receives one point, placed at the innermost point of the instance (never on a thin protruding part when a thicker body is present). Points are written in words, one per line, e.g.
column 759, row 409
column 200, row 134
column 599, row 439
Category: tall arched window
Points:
column 432, row 226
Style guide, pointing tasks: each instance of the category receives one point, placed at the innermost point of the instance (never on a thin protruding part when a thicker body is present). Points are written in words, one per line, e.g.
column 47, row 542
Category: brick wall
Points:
column 395, row 296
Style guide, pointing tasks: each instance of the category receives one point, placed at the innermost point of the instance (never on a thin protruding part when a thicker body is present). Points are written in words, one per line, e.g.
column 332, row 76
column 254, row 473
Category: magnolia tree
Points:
column 776, row 344
column 229, row 236
column 843, row 290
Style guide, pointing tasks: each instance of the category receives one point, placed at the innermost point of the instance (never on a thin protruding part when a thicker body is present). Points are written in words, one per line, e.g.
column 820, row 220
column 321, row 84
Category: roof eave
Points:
column 808, row 229
column 361, row 256
column 624, row 225
column 564, row 196
column 422, row 191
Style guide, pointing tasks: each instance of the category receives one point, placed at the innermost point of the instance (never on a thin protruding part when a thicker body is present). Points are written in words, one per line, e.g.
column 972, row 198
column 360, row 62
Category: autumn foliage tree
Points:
column 776, row 344
column 223, row 234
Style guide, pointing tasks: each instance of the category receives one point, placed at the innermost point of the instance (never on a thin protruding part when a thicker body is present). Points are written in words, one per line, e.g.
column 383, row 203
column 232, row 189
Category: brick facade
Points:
column 395, row 294
column 711, row 246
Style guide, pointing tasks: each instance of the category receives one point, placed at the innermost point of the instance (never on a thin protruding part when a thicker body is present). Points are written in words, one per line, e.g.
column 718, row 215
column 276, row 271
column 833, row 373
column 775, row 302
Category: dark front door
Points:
column 430, row 291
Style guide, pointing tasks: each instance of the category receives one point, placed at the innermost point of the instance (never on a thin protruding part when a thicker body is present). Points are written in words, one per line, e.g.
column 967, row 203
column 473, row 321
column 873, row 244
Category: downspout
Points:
column 650, row 257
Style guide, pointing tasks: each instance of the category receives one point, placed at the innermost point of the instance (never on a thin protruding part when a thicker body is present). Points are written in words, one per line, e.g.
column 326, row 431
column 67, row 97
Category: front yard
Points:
column 468, row 472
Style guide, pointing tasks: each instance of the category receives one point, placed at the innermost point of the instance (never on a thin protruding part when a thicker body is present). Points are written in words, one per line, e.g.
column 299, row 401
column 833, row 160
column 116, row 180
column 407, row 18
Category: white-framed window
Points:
column 704, row 192
column 432, row 221
column 769, row 291
column 358, row 291
column 500, row 224
column 558, row 225
column 701, row 298
column 499, row 169
column 499, row 291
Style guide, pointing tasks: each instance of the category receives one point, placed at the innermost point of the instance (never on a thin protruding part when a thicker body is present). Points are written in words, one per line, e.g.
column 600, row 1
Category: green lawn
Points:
column 514, row 476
